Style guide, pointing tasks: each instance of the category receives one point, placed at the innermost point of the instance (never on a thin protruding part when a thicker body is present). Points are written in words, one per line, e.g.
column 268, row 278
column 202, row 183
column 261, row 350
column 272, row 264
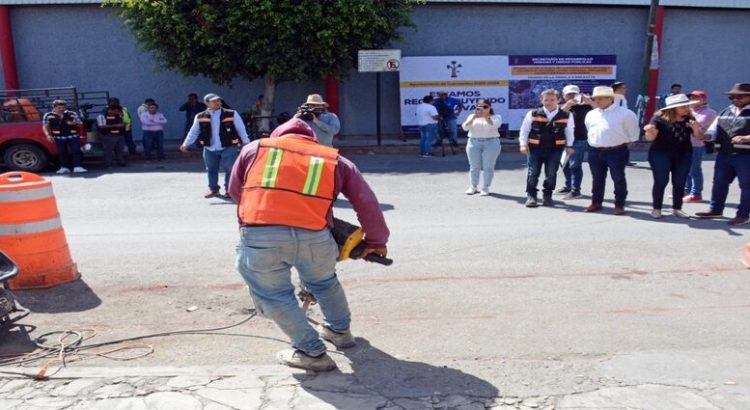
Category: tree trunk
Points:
column 269, row 90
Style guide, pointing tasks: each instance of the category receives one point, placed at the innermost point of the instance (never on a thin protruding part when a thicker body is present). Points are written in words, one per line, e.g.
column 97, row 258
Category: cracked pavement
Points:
column 488, row 304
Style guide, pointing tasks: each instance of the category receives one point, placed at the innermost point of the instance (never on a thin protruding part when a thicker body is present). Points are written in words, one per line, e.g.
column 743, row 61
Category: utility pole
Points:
column 650, row 75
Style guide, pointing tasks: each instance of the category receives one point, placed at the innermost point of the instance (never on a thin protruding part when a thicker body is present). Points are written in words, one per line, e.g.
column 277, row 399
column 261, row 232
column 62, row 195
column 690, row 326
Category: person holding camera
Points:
column 545, row 133
column 483, row 146
column 671, row 151
column 315, row 113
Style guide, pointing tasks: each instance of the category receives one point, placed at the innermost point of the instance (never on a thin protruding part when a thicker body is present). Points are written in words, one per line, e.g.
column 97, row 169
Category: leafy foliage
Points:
column 277, row 40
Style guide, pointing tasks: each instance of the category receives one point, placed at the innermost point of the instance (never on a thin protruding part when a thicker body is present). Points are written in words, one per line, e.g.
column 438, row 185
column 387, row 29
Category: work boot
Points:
column 593, row 208
column 299, row 359
column 619, row 210
column 531, row 201
column 341, row 340
column 547, row 200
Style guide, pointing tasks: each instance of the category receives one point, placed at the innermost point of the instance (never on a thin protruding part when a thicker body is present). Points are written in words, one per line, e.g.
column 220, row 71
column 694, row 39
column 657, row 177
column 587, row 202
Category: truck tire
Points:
column 25, row 157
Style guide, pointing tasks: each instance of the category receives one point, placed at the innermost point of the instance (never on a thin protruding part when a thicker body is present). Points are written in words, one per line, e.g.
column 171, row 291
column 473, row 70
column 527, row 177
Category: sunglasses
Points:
column 737, row 97
column 483, row 106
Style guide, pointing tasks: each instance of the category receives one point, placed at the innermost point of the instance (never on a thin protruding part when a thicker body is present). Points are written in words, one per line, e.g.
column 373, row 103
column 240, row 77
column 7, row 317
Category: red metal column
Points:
column 653, row 75
column 7, row 52
column 332, row 94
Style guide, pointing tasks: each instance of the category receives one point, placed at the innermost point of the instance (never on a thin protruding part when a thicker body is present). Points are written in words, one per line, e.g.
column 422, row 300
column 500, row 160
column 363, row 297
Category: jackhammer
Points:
column 349, row 238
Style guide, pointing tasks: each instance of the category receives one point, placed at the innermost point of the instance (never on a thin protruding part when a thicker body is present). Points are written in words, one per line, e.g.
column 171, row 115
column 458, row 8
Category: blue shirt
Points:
column 447, row 108
column 195, row 131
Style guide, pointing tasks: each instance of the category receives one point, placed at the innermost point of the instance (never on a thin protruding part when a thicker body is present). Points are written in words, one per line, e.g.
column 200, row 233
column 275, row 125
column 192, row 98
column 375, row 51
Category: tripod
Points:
column 443, row 133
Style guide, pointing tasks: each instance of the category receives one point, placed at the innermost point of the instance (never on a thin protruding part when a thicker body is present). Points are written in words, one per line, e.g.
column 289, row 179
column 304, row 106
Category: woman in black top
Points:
column 671, row 151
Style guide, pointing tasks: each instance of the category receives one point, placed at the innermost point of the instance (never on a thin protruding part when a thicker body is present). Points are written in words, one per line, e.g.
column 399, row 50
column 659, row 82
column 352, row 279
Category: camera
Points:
column 307, row 113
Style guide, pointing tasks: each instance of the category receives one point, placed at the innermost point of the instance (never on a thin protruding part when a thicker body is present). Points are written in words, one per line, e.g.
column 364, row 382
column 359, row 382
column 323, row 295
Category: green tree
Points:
column 275, row 40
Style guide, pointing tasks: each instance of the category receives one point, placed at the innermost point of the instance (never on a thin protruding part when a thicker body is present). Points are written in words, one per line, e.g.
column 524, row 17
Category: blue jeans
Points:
column 427, row 135
column 614, row 161
column 265, row 257
column 74, row 144
column 153, row 139
column 482, row 153
column 537, row 157
column 694, row 181
column 449, row 128
column 573, row 169
column 726, row 168
column 223, row 160
column 662, row 165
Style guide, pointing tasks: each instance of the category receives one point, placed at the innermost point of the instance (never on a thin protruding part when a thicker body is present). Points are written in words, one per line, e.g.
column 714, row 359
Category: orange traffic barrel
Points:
column 31, row 232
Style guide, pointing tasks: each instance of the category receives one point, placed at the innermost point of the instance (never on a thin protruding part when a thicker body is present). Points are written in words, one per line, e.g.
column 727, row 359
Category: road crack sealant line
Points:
column 71, row 343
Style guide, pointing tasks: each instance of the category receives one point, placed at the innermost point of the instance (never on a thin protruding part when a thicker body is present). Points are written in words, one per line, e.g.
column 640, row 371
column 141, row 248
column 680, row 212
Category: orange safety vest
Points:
column 291, row 182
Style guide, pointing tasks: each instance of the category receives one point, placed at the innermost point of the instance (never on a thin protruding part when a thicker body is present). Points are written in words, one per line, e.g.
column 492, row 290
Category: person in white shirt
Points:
column 483, row 146
column 611, row 128
column 620, row 89
column 545, row 133
column 427, row 119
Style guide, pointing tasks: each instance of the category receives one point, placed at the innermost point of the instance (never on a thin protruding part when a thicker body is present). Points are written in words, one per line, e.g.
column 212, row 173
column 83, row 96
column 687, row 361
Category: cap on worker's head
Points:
column 603, row 91
column 211, row 97
column 698, row 93
column 59, row 102
column 294, row 126
column 571, row 89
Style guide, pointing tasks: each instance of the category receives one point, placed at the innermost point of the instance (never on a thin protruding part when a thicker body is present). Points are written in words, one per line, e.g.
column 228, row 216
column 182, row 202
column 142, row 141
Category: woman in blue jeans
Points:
column 671, row 151
column 483, row 147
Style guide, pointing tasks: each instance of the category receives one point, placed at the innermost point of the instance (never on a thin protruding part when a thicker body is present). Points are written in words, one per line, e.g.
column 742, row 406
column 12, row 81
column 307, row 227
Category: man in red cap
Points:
column 285, row 187
column 705, row 116
column 731, row 131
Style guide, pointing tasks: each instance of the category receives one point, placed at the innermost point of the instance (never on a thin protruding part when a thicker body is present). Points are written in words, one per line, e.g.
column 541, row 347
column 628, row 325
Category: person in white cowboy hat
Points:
column 671, row 152
column 610, row 129
column 315, row 113
column 578, row 105
column 731, row 131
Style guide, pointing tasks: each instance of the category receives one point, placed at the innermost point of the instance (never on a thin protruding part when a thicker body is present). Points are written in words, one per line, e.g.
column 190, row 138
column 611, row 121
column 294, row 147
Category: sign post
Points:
column 378, row 61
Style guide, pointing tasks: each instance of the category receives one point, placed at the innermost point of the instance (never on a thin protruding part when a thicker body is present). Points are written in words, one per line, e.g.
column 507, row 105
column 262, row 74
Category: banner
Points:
column 466, row 78
column 512, row 84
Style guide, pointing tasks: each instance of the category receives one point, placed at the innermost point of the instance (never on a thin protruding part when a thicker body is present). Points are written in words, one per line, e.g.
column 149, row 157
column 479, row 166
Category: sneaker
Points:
column 340, row 340
column 212, row 194
column 563, row 190
column 656, row 213
column 79, row 170
column 531, row 202
column 572, row 195
column 484, row 192
column 738, row 221
column 692, row 198
column 297, row 358
column 709, row 214
column 680, row 213
column 547, row 200
column 63, row 171
column 619, row 211
column 427, row 155
column 471, row 191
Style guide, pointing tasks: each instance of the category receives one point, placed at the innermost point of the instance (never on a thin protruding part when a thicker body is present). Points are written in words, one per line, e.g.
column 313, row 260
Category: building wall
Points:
column 87, row 46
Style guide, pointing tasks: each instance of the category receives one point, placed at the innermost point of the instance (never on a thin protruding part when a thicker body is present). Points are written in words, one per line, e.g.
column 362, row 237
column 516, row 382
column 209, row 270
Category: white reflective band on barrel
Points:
column 32, row 227
column 27, row 195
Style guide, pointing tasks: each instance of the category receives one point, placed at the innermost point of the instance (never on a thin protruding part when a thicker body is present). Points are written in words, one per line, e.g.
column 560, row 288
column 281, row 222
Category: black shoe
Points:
column 212, row 194
column 547, row 200
column 572, row 195
column 531, row 202
column 563, row 190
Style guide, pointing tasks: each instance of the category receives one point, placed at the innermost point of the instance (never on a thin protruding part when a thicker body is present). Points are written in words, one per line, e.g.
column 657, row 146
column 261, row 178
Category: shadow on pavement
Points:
column 392, row 378
column 70, row 297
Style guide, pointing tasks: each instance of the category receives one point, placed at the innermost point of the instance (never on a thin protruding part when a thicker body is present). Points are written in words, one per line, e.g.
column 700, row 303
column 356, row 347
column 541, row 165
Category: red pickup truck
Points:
column 23, row 145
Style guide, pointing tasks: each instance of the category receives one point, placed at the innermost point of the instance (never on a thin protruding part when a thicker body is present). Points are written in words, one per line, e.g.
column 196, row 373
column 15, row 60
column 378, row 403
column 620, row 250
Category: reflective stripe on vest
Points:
column 314, row 173
column 271, row 170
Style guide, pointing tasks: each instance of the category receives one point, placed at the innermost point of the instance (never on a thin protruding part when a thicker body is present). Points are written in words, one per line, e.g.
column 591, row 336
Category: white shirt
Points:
column 481, row 128
column 523, row 136
column 612, row 126
column 425, row 114
column 621, row 101
column 711, row 131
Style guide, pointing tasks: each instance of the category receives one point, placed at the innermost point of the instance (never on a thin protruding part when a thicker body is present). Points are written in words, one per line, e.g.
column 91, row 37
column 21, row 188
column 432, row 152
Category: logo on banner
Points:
column 454, row 66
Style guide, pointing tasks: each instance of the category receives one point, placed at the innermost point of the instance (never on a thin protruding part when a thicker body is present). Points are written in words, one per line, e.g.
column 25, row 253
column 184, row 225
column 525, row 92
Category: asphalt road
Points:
column 522, row 301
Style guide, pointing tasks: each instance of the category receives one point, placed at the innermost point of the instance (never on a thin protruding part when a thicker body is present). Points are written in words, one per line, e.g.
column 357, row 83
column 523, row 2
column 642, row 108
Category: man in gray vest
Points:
column 731, row 132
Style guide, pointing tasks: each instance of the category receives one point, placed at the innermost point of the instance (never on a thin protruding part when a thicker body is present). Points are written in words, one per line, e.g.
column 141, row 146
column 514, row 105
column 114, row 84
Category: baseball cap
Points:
column 571, row 89
column 211, row 97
